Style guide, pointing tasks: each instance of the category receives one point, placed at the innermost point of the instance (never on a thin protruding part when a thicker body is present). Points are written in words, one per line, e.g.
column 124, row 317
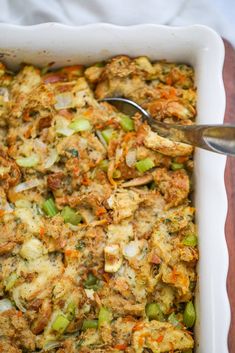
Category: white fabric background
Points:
column 219, row 14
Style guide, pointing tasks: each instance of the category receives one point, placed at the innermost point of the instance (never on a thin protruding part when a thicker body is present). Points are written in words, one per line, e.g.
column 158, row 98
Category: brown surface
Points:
column 229, row 80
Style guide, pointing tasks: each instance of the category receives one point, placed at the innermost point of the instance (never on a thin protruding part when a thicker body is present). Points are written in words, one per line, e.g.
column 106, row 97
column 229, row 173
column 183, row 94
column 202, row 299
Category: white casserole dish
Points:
column 199, row 46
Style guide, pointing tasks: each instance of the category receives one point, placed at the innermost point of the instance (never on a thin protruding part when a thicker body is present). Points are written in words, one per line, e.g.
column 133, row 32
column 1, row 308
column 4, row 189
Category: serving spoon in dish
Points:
column 215, row 138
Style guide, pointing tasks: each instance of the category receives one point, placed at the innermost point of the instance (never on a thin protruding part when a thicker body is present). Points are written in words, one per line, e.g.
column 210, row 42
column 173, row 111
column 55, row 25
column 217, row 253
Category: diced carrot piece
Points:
column 86, row 181
column 120, row 347
column 100, row 211
column 71, row 253
column 138, row 326
column 160, row 339
column 42, row 231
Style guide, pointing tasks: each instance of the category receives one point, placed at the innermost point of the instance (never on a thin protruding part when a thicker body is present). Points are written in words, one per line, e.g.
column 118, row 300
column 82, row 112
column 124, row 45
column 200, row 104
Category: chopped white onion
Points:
column 100, row 137
column 64, row 100
column 86, row 308
column 16, row 297
column 143, row 180
column 90, row 293
column 40, row 145
column 5, row 206
column 4, row 93
column 83, row 143
column 131, row 158
column 110, row 201
column 29, row 184
column 22, row 203
column 51, row 345
column 51, row 159
column 72, row 227
column 119, row 152
column 62, row 126
column 5, row 304
column 131, row 249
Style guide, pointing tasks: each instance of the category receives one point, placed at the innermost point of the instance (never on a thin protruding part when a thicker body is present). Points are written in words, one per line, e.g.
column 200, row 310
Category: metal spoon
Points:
column 216, row 138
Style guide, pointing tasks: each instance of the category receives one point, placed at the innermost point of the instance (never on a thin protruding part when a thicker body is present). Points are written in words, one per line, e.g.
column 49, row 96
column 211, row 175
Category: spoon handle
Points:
column 216, row 138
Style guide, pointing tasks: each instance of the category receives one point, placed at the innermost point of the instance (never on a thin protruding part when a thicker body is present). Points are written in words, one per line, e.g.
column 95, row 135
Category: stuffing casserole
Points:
column 98, row 244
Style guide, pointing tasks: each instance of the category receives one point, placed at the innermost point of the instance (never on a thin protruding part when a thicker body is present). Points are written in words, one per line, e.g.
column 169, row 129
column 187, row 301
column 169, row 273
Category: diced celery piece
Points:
column 70, row 216
column 126, row 123
column 92, row 282
column 105, row 316
column 28, row 162
column 104, row 165
column 49, row 207
column 144, row 165
column 89, row 324
column 189, row 315
column 116, row 174
column 154, row 312
column 60, row 323
column 107, row 134
column 176, row 166
column 190, row 240
column 70, row 311
column 80, row 124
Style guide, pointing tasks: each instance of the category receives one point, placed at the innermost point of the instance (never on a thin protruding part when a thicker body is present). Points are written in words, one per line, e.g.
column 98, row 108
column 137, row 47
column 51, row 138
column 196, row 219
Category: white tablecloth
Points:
column 219, row 14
